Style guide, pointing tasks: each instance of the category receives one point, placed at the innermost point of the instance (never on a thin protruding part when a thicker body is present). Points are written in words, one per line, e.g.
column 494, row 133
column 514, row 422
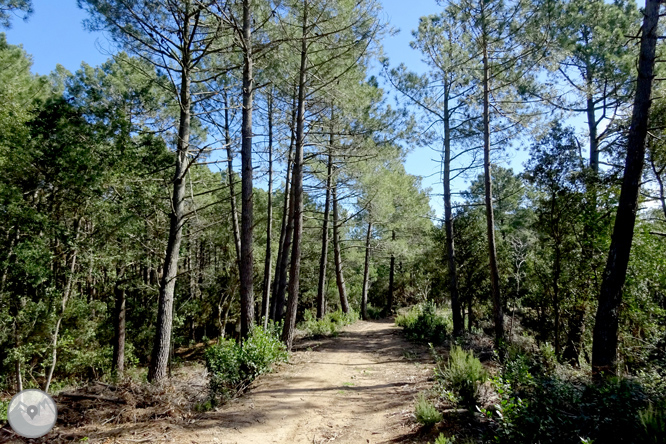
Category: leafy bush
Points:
column 441, row 439
column 561, row 412
column 3, row 410
column 463, row 373
column 653, row 420
column 425, row 412
column 374, row 312
column 329, row 325
column 424, row 323
column 232, row 365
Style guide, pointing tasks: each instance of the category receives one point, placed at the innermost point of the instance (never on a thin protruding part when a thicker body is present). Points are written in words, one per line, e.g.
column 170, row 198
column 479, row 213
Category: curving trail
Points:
column 356, row 388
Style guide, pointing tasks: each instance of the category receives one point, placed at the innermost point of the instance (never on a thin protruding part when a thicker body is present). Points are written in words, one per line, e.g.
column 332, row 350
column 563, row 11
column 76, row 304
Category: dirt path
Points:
column 356, row 388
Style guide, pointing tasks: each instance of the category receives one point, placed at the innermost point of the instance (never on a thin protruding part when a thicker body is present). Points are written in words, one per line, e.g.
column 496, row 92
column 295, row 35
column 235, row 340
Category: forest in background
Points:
column 235, row 165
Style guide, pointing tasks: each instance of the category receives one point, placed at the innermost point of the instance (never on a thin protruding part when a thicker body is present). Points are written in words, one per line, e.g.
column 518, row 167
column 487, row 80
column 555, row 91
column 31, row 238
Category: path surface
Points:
column 356, row 388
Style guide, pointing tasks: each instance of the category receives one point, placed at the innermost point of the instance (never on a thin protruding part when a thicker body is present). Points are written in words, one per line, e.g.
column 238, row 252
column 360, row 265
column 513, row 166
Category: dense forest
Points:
column 235, row 173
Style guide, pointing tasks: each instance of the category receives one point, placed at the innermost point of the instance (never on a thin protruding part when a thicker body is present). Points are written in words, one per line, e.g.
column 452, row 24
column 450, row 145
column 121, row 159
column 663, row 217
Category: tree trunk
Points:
column 556, row 300
column 389, row 303
column 297, row 192
column 321, row 287
column 160, row 355
column 118, row 363
column 269, row 221
column 604, row 346
column 490, row 218
column 63, row 306
column 458, row 323
column 277, row 308
column 230, row 180
column 247, row 266
column 339, row 273
column 366, row 274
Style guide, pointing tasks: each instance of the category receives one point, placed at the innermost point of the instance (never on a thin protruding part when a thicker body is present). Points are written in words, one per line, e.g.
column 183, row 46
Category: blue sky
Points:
column 54, row 34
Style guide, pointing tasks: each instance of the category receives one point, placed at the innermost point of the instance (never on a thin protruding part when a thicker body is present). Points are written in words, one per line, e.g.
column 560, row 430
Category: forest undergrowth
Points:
column 520, row 393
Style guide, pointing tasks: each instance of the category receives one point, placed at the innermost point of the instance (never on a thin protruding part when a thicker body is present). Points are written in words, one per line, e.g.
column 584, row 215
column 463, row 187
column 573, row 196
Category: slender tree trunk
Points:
column 297, row 191
column 339, row 272
column 458, row 322
column 366, row 273
column 269, row 222
column 162, row 345
column 556, row 300
column 321, row 288
column 63, row 306
column 604, row 346
column 490, row 218
column 118, row 363
column 230, row 180
column 389, row 303
column 247, row 263
column 277, row 309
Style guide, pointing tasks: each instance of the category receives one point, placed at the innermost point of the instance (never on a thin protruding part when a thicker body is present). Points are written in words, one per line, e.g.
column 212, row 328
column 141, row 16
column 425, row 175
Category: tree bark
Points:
column 389, row 303
column 118, row 363
column 458, row 323
column 604, row 346
column 247, row 265
column 230, row 180
column 65, row 298
column 277, row 309
column 297, row 191
column 269, row 221
column 490, row 218
column 321, row 287
column 162, row 344
column 339, row 272
column 366, row 274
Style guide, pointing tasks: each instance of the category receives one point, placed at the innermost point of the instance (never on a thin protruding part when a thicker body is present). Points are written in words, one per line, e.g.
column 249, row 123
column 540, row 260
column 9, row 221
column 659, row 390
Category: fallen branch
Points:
column 93, row 397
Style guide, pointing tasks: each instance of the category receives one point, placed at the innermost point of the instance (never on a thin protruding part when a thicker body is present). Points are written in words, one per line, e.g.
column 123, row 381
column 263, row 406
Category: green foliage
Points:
column 463, row 373
column 4, row 405
column 425, row 323
column 441, row 439
column 232, row 365
column 374, row 313
column 329, row 325
column 653, row 420
column 561, row 411
column 425, row 412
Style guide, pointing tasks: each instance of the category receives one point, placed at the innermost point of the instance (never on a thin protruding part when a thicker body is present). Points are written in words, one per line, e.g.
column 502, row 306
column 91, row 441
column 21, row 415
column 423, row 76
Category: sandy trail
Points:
column 356, row 388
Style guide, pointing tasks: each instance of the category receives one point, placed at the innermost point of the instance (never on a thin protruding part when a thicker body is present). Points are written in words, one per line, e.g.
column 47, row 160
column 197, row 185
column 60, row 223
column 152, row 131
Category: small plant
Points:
column 329, row 325
column 424, row 323
column 425, row 412
column 232, row 366
column 441, row 439
column 3, row 410
column 463, row 374
column 653, row 420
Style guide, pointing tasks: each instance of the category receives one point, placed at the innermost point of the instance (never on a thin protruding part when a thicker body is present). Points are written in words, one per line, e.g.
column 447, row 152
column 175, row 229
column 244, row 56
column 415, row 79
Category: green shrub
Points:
column 3, row 410
column 441, row 439
column 556, row 411
column 232, row 366
column 463, row 373
column 425, row 412
column 653, row 420
column 329, row 325
column 424, row 323
column 374, row 312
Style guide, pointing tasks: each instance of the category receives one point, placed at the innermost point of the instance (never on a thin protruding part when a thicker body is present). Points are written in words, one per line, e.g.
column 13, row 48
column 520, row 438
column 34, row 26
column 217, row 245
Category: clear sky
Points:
column 54, row 34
